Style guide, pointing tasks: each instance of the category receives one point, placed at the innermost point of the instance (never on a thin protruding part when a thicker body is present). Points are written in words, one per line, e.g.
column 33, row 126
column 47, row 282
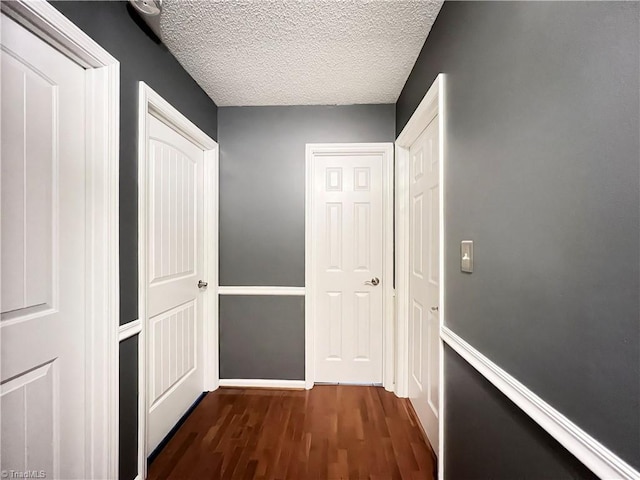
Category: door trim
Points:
column 151, row 102
column 432, row 104
column 102, row 230
column 388, row 348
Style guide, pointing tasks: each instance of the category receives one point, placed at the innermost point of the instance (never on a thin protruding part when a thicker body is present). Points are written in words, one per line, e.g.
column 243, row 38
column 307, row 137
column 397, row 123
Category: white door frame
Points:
column 150, row 102
column 432, row 104
column 388, row 348
column 102, row 254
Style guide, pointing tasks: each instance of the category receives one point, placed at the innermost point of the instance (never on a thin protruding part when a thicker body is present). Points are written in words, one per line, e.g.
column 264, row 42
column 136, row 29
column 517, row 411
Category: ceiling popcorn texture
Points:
column 321, row 52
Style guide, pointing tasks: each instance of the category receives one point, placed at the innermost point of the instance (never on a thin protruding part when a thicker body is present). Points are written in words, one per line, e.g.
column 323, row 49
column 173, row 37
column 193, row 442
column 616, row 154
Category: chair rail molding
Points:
column 242, row 290
column 129, row 330
column 595, row 456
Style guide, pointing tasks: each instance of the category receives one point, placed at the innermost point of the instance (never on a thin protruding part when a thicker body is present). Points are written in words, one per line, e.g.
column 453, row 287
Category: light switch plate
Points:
column 466, row 256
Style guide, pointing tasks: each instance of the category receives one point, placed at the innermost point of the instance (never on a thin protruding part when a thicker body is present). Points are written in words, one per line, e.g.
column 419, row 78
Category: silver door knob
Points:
column 202, row 284
column 435, row 309
column 373, row 282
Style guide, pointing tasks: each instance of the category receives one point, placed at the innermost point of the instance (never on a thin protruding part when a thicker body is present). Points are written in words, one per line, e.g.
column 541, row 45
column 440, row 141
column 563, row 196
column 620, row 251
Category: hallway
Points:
column 211, row 207
column 329, row 432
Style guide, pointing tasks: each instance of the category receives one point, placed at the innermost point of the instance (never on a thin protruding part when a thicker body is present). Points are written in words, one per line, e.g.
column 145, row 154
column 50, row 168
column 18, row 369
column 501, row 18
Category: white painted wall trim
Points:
column 56, row 29
column 598, row 458
column 211, row 261
column 291, row 291
column 402, row 270
column 151, row 102
column 102, row 227
column 253, row 383
column 309, row 273
column 130, row 329
column 388, row 296
column 432, row 104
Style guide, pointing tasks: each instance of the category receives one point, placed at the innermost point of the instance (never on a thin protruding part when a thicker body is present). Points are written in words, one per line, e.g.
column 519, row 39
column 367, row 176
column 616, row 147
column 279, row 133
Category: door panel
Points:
column 347, row 217
column 42, row 373
column 424, row 282
column 173, row 355
column 175, row 265
column 416, row 345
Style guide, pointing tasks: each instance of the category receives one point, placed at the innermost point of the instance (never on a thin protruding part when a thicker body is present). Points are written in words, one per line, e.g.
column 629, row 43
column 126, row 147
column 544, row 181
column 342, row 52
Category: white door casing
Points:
column 349, row 278
column 59, row 297
column 420, row 271
column 178, row 214
column 424, row 283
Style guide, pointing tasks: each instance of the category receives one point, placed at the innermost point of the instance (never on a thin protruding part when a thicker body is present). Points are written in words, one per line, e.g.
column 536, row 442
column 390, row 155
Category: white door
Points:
column 42, row 325
column 348, row 259
column 175, row 265
column 424, row 283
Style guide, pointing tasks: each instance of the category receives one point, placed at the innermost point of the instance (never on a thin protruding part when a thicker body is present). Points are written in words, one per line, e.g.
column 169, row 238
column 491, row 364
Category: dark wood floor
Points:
column 328, row 432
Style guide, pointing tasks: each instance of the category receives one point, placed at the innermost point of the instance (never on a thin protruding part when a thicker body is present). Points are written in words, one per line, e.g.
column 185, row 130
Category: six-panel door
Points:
column 348, row 256
column 424, row 281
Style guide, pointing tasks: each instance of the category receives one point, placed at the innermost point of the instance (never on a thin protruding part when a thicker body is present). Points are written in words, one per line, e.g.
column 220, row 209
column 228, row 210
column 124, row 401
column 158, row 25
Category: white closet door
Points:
column 175, row 264
column 424, row 283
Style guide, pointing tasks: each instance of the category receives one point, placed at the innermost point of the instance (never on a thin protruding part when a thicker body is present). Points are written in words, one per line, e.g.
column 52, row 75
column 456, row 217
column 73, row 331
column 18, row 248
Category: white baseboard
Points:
column 291, row 291
column 253, row 383
column 598, row 458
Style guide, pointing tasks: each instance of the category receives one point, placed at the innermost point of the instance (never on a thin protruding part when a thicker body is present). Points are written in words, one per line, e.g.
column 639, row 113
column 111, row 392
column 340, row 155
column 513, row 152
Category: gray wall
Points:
column 262, row 181
column 118, row 29
column 128, row 421
column 543, row 174
column 274, row 329
column 262, row 196
column 116, row 26
column 511, row 446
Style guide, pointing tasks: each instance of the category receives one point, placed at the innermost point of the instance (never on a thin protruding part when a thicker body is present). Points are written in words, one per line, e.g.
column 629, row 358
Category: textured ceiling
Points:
column 321, row 52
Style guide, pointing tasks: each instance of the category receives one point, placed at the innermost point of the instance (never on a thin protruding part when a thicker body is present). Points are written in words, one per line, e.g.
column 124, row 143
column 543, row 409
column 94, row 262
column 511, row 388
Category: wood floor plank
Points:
column 326, row 433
